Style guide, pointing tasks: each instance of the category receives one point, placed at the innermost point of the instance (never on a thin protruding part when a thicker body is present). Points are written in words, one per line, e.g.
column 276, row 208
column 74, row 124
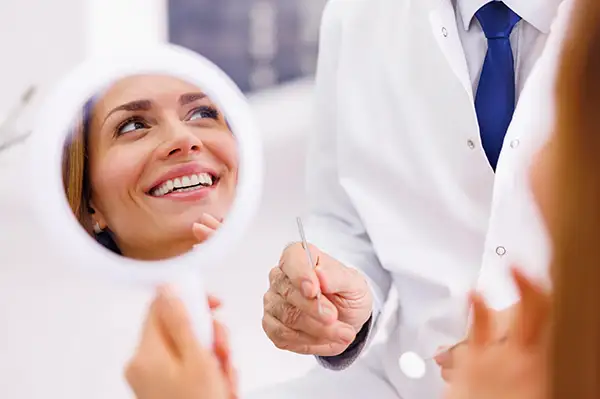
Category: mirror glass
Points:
column 150, row 166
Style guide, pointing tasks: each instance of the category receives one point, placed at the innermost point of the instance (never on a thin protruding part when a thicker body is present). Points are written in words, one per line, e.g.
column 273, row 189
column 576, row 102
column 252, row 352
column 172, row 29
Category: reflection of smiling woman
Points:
column 153, row 157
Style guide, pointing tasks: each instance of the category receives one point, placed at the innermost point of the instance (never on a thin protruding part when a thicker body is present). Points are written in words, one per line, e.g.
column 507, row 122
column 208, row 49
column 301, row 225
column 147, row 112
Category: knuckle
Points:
column 286, row 290
column 274, row 274
column 291, row 315
column 266, row 327
column 280, row 344
column 285, row 338
column 278, row 336
column 272, row 304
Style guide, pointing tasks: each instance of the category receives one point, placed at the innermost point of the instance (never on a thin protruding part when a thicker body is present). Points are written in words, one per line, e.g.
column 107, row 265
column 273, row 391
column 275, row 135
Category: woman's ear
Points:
column 97, row 216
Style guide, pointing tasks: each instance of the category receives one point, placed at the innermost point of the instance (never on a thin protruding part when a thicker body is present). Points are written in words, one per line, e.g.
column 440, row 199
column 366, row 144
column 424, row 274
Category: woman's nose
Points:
column 182, row 143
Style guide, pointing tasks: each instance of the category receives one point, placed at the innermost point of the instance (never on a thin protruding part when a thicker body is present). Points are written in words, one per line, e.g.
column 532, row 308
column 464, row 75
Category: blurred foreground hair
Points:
column 574, row 223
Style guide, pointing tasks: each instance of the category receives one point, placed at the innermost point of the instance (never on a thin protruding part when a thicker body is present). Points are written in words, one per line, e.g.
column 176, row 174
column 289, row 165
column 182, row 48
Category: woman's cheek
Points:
column 120, row 171
column 225, row 150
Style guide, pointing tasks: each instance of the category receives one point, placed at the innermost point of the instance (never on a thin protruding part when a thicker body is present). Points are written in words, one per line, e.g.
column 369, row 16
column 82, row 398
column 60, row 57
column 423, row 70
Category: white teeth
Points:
column 184, row 183
column 205, row 179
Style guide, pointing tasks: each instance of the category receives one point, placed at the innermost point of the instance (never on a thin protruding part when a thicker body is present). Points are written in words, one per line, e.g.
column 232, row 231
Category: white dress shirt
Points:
column 527, row 38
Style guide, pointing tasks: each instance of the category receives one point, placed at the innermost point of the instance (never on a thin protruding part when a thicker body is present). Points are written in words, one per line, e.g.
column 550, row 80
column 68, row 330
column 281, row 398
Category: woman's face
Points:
column 161, row 155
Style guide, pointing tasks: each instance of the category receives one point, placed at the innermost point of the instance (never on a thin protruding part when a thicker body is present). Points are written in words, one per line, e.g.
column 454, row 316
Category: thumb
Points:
column 175, row 323
column 336, row 278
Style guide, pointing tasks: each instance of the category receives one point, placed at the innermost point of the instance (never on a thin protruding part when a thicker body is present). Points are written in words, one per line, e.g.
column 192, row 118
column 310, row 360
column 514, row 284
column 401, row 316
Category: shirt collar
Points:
column 539, row 13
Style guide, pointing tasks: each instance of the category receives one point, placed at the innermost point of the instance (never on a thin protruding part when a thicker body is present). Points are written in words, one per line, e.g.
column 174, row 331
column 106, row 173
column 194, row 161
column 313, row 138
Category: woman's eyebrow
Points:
column 187, row 98
column 138, row 105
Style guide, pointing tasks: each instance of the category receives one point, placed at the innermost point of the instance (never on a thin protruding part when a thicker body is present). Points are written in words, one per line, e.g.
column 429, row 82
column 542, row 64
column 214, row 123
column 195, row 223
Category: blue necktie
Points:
column 495, row 99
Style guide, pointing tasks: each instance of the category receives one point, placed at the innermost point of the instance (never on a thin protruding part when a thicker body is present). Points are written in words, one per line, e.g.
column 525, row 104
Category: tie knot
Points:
column 497, row 20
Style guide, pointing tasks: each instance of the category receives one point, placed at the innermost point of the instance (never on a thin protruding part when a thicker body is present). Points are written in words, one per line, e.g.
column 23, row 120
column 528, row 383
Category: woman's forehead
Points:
column 155, row 88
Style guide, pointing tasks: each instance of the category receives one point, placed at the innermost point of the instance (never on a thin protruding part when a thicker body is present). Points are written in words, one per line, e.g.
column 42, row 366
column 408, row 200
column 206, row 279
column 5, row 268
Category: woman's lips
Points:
column 189, row 194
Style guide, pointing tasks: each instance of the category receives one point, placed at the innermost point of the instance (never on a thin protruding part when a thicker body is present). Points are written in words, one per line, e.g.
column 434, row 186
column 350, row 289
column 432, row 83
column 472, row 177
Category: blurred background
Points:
column 269, row 48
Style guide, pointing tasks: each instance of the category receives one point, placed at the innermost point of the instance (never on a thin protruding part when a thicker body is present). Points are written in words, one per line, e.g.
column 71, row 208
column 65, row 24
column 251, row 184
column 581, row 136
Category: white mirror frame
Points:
column 56, row 118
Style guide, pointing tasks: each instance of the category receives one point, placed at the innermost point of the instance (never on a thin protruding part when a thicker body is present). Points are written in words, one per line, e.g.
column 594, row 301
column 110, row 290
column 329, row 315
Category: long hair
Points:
column 76, row 174
column 574, row 223
column 76, row 178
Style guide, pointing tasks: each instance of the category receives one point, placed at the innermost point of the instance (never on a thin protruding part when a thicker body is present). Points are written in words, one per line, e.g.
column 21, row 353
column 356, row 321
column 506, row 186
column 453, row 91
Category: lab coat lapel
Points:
column 442, row 19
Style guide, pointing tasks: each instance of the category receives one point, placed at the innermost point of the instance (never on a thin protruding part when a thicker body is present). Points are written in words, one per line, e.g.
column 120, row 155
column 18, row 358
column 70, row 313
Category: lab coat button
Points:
column 515, row 143
column 471, row 144
column 500, row 251
column 445, row 32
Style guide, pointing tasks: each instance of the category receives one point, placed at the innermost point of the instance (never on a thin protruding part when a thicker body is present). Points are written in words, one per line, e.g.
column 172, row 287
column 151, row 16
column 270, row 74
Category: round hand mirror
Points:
column 147, row 168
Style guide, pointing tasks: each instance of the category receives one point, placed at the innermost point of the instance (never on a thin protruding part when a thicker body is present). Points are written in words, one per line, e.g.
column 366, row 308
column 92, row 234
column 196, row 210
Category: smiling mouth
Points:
column 184, row 184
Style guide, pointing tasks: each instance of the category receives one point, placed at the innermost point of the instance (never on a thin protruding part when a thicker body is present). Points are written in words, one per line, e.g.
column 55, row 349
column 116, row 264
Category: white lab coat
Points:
column 401, row 189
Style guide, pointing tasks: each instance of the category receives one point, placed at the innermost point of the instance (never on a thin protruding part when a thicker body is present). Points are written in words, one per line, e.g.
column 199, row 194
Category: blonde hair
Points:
column 574, row 221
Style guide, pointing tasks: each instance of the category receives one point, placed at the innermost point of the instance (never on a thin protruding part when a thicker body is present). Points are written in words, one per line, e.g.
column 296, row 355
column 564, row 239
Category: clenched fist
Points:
column 293, row 319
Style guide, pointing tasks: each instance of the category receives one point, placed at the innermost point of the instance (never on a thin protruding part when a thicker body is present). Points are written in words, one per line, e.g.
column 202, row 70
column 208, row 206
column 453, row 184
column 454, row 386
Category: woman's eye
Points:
column 131, row 126
column 204, row 112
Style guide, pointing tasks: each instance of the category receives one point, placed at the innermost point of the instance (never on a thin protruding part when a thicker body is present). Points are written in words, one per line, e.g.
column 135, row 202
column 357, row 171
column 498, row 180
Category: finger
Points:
column 533, row 312
column 222, row 351
column 447, row 374
column 481, row 329
column 152, row 353
column 336, row 278
column 297, row 320
column 210, row 221
column 294, row 264
column 295, row 341
column 221, row 344
column 202, row 232
column 443, row 358
column 152, row 340
column 176, row 325
column 282, row 285
column 214, row 303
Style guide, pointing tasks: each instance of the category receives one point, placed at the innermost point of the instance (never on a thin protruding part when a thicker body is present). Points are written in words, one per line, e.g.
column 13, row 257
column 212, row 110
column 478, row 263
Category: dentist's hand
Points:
column 291, row 313
column 171, row 363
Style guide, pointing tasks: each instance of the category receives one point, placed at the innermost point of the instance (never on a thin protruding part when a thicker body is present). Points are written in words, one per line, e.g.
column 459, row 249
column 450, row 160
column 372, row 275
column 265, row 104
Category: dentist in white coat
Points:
column 417, row 183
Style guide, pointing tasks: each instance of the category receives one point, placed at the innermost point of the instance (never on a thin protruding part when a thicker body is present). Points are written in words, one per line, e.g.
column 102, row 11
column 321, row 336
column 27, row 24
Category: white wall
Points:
column 124, row 23
column 41, row 40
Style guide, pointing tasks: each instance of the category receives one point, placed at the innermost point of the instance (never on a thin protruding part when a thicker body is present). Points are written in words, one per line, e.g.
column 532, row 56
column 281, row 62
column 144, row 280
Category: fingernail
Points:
column 347, row 336
column 307, row 289
column 443, row 359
